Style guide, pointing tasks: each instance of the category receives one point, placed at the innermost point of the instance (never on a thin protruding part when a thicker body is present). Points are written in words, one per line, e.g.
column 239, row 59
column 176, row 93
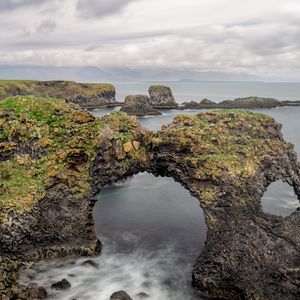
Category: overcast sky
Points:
column 259, row 37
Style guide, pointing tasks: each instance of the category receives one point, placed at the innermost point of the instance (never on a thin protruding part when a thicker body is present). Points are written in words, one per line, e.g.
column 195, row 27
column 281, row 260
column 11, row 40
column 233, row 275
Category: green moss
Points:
column 66, row 140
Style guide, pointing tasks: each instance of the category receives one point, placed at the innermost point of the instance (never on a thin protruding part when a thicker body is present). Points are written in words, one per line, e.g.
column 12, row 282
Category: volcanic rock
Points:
column 162, row 97
column 138, row 105
column 61, row 285
column 120, row 295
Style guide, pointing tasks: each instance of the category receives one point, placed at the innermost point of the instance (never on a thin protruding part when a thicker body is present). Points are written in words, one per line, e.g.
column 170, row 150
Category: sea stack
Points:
column 138, row 105
column 162, row 97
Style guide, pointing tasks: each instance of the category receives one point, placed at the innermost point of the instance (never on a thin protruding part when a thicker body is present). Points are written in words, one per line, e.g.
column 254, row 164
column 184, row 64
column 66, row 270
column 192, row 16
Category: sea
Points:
column 151, row 228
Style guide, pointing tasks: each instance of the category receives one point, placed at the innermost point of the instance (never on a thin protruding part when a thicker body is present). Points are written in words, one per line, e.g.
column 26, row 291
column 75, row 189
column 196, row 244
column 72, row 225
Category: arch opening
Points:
column 152, row 231
column 280, row 199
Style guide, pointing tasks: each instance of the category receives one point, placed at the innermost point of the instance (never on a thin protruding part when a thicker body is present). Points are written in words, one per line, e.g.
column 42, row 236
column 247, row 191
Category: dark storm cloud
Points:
column 6, row 5
column 100, row 8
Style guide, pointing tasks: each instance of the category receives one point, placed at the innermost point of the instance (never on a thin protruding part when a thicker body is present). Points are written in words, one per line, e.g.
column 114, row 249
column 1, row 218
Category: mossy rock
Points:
column 84, row 94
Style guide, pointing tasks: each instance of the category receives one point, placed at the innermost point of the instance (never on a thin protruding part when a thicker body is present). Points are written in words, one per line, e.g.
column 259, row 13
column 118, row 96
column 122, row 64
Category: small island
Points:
column 138, row 105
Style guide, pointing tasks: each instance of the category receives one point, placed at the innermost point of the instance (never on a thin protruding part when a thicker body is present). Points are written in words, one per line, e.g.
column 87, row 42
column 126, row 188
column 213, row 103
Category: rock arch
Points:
column 225, row 159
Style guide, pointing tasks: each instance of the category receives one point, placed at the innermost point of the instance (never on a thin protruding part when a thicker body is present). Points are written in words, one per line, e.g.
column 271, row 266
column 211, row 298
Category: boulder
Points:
column 162, row 97
column 138, row 105
column 61, row 285
column 120, row 295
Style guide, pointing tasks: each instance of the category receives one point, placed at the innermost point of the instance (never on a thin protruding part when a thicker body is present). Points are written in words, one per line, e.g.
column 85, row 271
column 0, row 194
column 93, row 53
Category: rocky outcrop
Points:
column 87, row 95
column 162, row 97
column 239, row 103
column 62, row 157
column 138, row 105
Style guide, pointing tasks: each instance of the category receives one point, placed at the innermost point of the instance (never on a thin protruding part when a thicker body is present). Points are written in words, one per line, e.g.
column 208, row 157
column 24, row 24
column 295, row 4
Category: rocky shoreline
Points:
column 239, row 103
column 62, row 156
column 100, row 95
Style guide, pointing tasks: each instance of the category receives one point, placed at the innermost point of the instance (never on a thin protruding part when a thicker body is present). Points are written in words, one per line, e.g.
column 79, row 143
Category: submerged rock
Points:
column 120, row 295
column 142, row 295
column 226, row 159
column 90, row 263
column 61, row 285
column 138, row 105
column 162, row 97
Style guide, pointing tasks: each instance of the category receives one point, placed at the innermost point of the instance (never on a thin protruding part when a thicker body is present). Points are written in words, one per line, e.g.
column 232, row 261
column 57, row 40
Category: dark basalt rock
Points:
column 226, row 159
column 138, row 105
column 121, row 295
column 63, row 284
column 90, row 263
column 239, row 103
column 162, row 97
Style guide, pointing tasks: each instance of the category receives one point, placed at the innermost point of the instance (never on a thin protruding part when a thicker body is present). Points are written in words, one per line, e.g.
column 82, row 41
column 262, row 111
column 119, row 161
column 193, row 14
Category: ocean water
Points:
column 216, row 91
column 152, row 229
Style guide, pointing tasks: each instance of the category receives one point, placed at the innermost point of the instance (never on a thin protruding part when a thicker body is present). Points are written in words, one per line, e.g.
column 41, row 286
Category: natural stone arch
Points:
column 225, row 159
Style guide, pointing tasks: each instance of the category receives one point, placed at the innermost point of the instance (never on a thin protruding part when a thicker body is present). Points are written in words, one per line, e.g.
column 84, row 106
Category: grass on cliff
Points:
column 46, row 141
column 52, row 89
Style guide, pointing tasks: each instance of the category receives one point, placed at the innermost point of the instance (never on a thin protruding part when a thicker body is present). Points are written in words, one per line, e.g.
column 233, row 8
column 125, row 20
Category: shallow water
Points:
column 152, row 230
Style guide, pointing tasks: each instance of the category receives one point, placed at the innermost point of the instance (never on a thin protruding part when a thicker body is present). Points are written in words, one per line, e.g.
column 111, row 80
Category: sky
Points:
column 259, row 37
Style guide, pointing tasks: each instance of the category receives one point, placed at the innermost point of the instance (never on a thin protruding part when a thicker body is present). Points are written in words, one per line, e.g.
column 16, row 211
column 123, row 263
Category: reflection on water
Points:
column 280, row 199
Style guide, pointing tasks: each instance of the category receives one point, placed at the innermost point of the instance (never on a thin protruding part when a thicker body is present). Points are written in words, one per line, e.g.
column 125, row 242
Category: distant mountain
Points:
column 94, row 74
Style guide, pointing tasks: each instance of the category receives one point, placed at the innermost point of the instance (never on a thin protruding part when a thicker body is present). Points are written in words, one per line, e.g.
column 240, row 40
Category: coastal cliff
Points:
column 56, row 157
column 87, row 95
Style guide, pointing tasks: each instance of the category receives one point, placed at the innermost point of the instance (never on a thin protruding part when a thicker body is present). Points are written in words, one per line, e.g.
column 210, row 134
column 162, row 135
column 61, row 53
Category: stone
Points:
column 162, row 97
column 142, row 295
column 136, row 145
column 90, row 263
column 128, row 147
column 138, row 105
column 63, row 284
column 120, row 295
column 36, row 292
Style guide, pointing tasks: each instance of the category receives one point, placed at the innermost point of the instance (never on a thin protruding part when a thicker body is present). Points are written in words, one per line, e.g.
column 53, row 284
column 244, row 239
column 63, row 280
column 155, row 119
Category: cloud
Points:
column 100, row 8
column 46, row 27
column 209, row 35
column 6, row 5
